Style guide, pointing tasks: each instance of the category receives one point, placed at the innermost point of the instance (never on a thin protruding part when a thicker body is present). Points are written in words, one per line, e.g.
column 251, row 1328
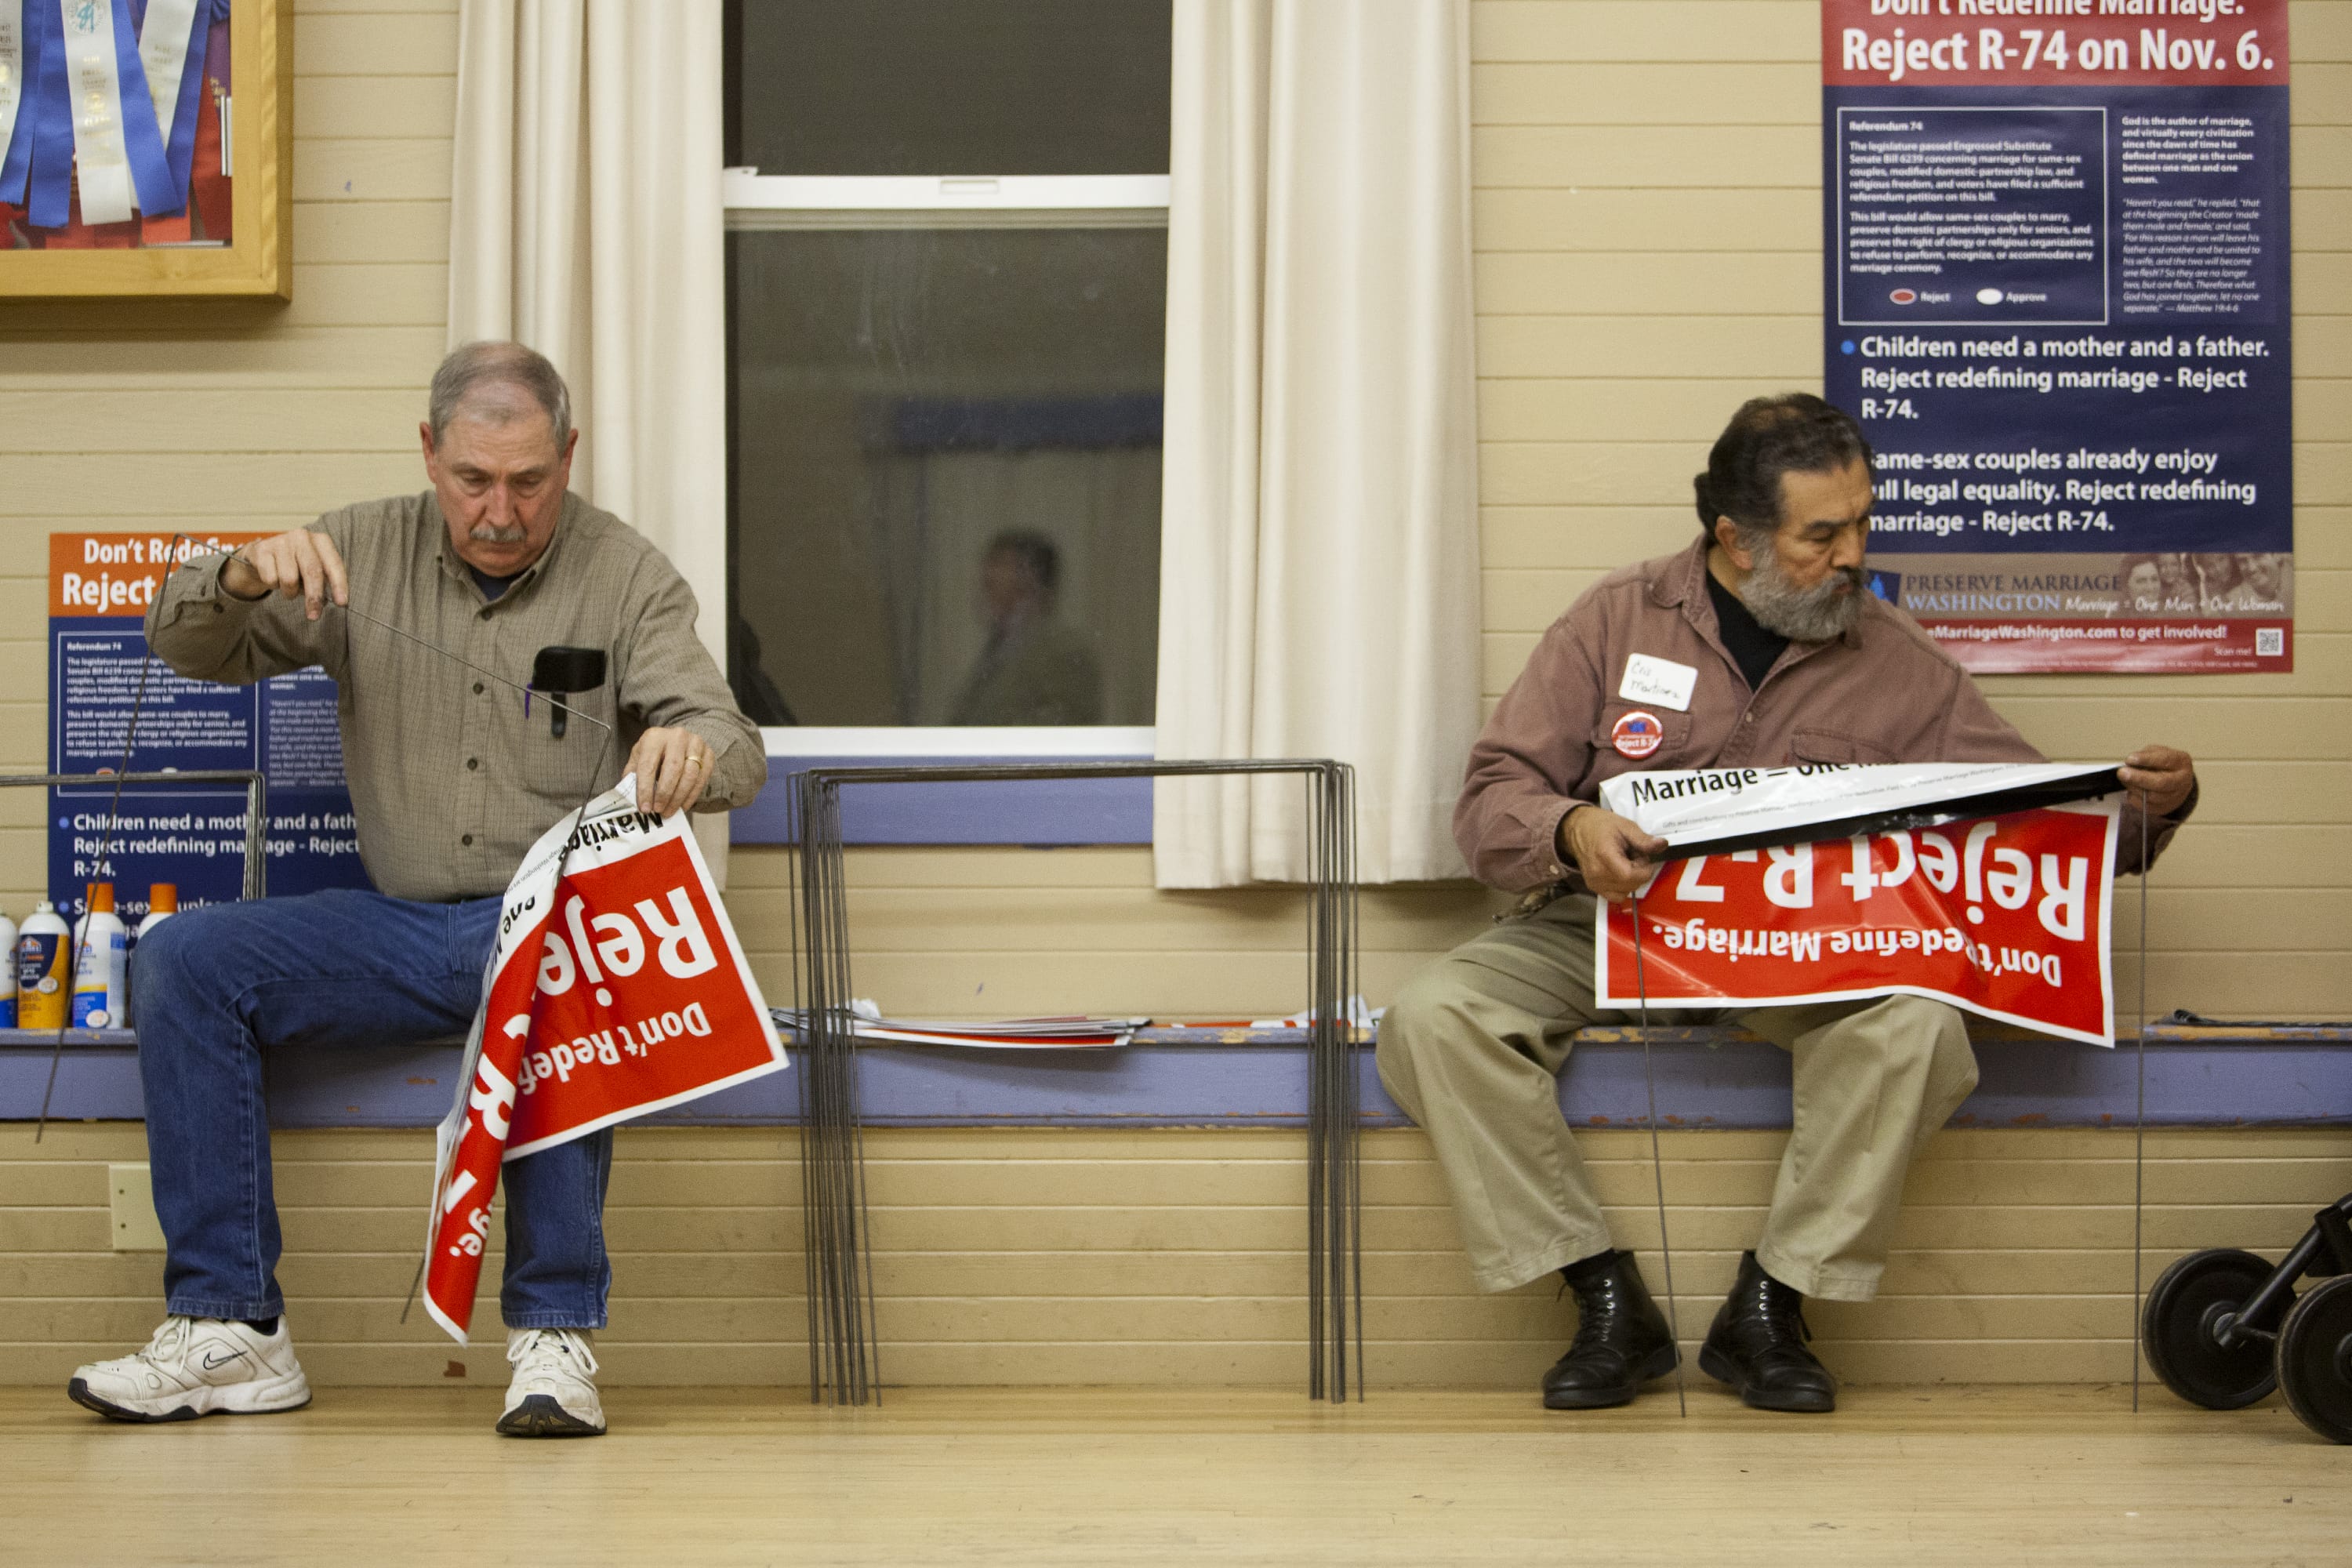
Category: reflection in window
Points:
column 946, row 445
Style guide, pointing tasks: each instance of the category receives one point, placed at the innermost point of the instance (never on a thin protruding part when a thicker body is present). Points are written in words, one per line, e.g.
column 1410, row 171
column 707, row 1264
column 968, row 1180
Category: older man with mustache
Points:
column 451, row 784
column 1758, row 645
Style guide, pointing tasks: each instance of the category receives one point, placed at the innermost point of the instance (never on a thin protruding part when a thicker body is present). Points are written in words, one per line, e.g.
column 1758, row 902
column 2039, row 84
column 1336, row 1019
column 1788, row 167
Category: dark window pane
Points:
column 946, row 493
column 950, row 86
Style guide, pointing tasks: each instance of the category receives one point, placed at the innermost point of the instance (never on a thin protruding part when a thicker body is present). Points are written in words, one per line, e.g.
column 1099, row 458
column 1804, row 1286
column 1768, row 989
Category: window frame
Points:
column 757, row 202
column 941, row 742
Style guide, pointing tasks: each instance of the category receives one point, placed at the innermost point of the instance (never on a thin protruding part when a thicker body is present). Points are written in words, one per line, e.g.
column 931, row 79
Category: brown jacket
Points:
column 1882, row 693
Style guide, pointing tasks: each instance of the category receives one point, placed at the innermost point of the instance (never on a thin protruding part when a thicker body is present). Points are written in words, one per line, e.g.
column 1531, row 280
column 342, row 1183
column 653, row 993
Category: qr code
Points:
column 2269, row 642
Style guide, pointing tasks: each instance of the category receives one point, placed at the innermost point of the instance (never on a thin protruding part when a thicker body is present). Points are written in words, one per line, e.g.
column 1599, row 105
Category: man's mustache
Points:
column 488, row 533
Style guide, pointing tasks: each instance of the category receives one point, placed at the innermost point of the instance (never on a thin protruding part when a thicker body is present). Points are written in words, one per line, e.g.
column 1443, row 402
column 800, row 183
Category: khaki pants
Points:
column 1472, row 1045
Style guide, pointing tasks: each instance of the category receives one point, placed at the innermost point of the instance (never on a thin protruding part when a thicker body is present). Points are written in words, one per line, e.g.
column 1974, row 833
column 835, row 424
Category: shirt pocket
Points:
column 562, row 774
column 1815, row 745
column 1617, row 749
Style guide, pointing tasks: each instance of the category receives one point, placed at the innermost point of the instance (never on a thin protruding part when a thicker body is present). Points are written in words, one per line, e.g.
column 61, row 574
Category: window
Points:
column 947, row 278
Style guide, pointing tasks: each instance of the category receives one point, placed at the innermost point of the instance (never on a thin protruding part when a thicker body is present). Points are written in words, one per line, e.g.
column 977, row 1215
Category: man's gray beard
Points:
column 1828, row 609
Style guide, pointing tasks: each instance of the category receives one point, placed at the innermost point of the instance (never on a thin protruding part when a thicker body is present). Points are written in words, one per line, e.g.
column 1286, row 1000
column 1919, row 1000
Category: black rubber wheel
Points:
column 2315, row 1359
column 2177, row 1330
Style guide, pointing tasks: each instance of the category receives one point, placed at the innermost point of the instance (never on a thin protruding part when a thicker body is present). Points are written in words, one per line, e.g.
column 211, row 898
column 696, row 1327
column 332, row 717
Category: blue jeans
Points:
column 217, row 984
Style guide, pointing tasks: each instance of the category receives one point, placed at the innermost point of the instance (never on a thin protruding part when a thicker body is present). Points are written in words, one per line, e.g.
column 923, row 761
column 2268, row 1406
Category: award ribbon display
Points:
column 12, row 55
column 169, row 33
column 94, row 104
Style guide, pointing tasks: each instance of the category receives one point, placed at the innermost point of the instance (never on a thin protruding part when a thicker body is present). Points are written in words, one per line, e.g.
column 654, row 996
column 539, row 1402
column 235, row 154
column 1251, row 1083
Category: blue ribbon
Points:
column 41, row 153
column 17, row 160
column 142, row 139
column 50, row 205
column 181, row 155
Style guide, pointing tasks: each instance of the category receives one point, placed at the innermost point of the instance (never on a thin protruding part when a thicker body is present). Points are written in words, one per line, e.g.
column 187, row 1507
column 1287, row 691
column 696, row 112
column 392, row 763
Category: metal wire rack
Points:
column 257, row 807
column 843, row 1351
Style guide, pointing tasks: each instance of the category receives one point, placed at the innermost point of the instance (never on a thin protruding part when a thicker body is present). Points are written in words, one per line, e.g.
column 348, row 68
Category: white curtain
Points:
column 586, row 220
column 1318, row 554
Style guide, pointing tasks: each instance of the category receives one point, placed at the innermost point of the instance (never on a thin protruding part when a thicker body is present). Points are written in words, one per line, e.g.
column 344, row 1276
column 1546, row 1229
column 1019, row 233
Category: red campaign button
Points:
column 1637, row 734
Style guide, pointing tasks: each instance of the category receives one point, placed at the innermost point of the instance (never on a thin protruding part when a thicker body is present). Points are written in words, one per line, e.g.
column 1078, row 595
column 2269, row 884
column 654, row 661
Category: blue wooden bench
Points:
column 1709, row 1076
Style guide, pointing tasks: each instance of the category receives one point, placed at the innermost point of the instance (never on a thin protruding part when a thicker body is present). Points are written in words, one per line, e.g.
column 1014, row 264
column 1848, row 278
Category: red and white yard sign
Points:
column 616, row 988
column 2005, row 915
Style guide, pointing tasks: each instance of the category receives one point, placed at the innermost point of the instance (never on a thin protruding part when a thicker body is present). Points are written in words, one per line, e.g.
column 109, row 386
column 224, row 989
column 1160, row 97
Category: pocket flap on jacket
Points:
column 1832, row 746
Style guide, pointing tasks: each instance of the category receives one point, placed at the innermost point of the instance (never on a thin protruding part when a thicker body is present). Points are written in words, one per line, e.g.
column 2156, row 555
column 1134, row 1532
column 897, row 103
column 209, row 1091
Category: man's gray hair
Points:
column 472, row 366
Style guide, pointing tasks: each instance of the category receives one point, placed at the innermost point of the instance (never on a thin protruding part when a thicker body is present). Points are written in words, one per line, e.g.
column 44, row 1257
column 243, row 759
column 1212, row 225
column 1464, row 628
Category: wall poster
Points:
column 2056, row 291
column 100, row 585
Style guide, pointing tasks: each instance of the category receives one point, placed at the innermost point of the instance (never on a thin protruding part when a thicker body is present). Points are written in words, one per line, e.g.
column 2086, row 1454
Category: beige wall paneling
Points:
column 1647, row 234
column 1168, row 1256
column 1648, row 253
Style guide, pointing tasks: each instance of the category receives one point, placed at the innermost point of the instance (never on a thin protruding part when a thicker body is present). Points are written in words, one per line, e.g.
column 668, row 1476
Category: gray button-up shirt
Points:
column 450, row 780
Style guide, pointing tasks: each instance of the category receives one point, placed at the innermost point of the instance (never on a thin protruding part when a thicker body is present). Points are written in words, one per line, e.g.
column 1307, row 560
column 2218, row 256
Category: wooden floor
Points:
column 1914, row 1477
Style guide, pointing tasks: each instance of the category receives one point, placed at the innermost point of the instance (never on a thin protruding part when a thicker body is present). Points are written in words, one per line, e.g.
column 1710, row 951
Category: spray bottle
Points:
column 100, row 945
column 42, row 983
column 8, row 974
column 163, row 903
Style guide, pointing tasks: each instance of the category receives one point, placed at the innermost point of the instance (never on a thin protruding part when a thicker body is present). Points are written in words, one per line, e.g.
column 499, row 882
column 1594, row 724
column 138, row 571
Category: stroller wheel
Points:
column 2315, row 1359
column 2185, row 1308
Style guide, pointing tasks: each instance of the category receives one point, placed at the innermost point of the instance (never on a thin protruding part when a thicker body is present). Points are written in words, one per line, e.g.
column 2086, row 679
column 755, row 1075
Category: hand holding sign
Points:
column 2166, row 775
column 672, row 767
column 1611, row 853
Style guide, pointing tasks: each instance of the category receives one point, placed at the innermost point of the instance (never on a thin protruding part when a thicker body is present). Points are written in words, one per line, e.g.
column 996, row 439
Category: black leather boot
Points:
column 1758, row 1346
column 1621, row 1341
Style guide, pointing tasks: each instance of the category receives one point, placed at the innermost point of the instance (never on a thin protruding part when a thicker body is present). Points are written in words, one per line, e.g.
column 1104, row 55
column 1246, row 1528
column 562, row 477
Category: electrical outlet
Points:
column 132, row 1200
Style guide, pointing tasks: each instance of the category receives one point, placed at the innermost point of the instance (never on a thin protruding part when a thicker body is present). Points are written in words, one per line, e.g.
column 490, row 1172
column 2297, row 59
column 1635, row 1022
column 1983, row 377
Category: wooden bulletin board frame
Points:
column 256, row 263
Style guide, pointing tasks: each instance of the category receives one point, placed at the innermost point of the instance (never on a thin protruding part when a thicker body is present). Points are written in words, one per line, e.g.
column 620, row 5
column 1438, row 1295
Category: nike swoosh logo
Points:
column 211, row 1364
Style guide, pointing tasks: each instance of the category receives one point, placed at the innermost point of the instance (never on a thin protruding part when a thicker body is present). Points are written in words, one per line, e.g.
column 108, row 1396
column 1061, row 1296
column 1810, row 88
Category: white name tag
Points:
column 1658, row 680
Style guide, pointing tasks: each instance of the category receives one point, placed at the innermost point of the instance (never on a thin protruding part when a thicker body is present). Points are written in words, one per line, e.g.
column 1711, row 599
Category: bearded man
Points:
column 1760, row 646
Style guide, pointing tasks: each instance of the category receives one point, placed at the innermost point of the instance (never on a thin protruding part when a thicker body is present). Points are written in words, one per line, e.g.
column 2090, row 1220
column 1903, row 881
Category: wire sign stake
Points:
column 845, row 1363
column 844, row 1353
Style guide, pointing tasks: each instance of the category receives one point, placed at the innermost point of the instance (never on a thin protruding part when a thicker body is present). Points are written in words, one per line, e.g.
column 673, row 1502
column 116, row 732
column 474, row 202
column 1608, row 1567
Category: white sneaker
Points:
column 196, row 1366
column 554, row 1393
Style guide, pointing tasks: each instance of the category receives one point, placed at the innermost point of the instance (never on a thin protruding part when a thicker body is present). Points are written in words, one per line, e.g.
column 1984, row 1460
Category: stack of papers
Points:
column 1072, row 1032
column 1356, row 1013
column 1360, row 1016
